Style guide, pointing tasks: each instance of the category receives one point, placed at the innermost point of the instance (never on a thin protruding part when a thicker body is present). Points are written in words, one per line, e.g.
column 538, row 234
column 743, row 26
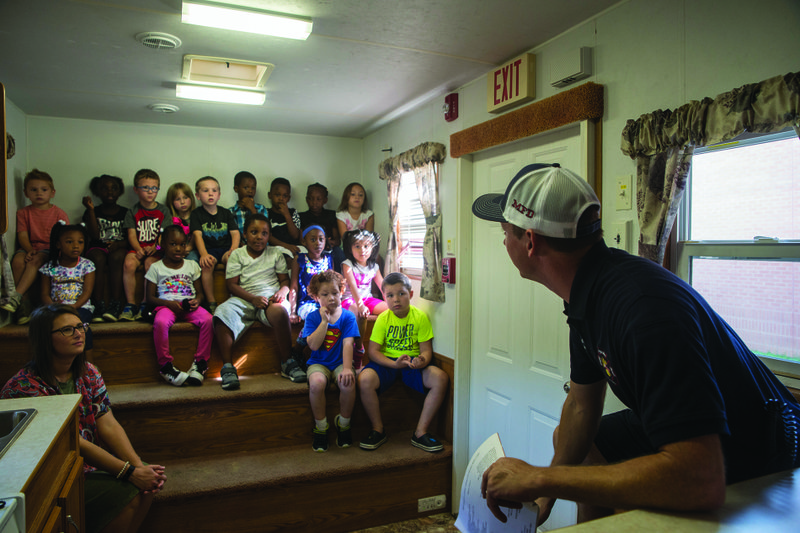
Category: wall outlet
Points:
column 432, row 503
column 621, row 235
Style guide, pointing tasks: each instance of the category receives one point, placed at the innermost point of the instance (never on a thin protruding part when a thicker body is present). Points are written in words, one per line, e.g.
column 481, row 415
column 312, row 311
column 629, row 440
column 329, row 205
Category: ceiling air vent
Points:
column 164, row 108
column 158, row 41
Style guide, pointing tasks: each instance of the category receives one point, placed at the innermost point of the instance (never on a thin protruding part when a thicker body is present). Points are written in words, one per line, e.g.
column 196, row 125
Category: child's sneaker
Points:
column 427, row 442
column 343, row 436
column 13, row 303
column 230, row 379
column 24, row 312
column 97, row 314
column 141, row 312
column 320, row 443
column 291, row 369
column 373, row 441
column 128, row 313
column 196, row 372
column 172, row 375
column 113, row 311
column 212, row 306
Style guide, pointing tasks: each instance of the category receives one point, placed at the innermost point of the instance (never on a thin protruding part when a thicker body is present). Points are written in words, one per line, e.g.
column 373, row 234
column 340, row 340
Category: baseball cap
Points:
column 547, row 199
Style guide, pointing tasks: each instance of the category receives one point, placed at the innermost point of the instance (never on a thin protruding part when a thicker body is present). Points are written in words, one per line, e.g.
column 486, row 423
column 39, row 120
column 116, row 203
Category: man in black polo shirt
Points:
column 703, row 410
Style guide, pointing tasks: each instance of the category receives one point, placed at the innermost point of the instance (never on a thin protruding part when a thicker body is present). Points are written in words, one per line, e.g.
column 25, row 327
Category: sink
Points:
column 12, row 423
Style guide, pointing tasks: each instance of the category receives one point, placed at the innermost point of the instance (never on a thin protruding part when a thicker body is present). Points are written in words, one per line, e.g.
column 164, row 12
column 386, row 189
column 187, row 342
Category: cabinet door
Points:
column 53, row 523
column 70, row 500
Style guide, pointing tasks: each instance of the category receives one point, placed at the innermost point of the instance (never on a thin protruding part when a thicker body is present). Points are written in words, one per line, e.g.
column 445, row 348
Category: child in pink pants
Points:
column 173, row 286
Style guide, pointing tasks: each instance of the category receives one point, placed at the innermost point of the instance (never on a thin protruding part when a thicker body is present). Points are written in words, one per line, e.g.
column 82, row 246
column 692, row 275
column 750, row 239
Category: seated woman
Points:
column 119, row 488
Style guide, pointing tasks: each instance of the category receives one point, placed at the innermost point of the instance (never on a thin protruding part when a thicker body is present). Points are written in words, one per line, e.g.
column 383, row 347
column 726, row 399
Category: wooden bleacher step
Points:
column 268, row 413
column 296, row 489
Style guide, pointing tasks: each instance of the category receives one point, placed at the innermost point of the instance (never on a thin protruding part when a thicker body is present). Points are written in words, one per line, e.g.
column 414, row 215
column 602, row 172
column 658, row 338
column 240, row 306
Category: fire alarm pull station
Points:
column 448, row 270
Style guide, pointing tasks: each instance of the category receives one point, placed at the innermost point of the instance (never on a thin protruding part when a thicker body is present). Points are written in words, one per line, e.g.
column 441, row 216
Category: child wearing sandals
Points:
column 258, row 282
column 330, row 332
column 173, row 286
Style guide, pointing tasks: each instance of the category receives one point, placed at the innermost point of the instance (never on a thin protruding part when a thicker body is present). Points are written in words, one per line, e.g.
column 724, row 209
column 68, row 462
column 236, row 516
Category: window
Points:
column 410, row 227
column 739, row 241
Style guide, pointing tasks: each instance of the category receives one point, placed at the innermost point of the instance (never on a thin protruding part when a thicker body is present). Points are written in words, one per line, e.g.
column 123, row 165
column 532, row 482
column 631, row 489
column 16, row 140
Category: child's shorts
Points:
column 370, row 302
column 412, row 377
column 331, row 375
column 43, row 251
column 216, row 252
column 238, row 315
column 306, row 309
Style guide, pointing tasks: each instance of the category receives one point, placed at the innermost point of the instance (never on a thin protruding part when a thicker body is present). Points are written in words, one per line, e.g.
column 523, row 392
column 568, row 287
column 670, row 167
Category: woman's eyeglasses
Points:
column 69, row 331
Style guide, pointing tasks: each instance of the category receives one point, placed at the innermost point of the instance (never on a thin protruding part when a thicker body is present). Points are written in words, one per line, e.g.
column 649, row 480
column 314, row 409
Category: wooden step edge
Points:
column 153, row 395
column 249, row 471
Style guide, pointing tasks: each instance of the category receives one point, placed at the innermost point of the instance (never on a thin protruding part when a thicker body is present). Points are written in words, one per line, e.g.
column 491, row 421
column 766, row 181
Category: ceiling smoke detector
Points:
column 164, row 108
column 158, row 41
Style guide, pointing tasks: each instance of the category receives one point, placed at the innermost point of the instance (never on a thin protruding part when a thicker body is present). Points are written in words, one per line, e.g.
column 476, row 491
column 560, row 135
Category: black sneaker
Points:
column 113, row 311
column 172, row 375
column 320, row 443
column 291, row 369
column 343, row 437
column 373, row 441
column 97, row 314
column 197, row 372
column 230, row 379
column 427, row 442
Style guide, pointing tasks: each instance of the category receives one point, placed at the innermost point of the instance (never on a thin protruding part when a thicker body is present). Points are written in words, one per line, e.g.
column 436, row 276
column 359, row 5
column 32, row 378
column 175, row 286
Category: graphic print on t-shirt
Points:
column 215, row 230
column 148, row 225
column 332, row 336
column 400, row 338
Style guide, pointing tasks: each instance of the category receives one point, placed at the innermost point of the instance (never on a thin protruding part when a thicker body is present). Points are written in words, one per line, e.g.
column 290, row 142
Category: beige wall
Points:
column 649, row 54
column 73, row 151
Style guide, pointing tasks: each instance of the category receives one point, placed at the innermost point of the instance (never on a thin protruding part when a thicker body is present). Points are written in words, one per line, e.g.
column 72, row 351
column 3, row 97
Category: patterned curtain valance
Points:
column 410, row 159
column 767, row 106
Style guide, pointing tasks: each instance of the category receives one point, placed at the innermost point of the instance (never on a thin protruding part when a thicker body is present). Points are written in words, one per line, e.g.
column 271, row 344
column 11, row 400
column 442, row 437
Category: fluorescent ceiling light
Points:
column 218, row 94
column 247, row 20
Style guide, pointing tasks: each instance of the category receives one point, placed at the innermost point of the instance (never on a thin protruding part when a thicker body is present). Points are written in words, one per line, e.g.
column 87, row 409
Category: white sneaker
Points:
column 172, row 375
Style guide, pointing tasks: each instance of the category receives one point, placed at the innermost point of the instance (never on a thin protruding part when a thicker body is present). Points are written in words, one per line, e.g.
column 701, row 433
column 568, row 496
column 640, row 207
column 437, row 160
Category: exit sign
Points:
column 511, row 84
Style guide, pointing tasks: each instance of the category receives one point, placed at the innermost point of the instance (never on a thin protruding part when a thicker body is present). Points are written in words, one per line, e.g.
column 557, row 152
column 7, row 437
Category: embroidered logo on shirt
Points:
column 603, row 359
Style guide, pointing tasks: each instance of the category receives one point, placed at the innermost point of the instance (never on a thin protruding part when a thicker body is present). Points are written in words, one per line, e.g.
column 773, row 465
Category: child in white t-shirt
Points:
column 258, row 280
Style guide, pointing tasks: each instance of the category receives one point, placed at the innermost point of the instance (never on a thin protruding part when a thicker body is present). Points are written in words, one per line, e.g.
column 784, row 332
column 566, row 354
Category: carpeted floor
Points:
column 437, row 523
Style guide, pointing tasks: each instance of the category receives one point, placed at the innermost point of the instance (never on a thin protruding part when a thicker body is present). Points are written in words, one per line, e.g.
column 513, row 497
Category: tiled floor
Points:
column 438, row 523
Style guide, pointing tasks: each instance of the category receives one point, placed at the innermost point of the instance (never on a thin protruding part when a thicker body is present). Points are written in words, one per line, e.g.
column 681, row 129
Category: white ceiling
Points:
column 365, row 62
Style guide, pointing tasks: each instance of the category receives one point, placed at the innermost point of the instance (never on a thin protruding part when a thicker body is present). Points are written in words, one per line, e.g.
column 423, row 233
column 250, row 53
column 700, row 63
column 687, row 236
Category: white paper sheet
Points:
column 474, row 515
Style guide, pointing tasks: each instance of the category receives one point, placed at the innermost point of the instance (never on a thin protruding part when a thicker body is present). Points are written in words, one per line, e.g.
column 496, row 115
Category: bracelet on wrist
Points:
column 124, row 468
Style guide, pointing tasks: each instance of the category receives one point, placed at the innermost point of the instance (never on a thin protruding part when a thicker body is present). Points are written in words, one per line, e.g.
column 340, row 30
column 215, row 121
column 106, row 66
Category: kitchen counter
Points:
column 770, row 503
column 20, row 461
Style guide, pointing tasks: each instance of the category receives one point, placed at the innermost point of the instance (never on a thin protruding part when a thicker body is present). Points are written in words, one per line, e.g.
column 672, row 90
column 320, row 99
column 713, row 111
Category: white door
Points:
column 520, row 346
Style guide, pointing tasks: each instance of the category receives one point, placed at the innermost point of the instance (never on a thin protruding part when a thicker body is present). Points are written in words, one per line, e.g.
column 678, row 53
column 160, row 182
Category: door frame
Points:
column 590, row 135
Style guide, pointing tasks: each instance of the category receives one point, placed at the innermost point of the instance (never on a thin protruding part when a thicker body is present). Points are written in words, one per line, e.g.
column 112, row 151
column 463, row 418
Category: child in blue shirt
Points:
column 329, row 333
column 244, row 185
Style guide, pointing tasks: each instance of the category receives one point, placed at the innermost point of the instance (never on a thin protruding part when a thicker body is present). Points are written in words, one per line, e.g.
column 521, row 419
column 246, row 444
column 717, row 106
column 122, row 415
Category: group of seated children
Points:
column 287, row 271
